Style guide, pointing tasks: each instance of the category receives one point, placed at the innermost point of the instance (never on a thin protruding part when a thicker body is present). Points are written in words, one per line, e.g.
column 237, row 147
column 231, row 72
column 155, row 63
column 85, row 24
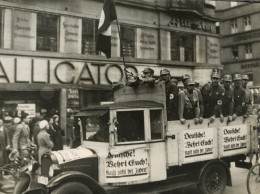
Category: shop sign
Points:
column 246, row 36
column 234, row 138
column 197, row 143
column 250, row 66
column 24, row 30
column 70, row 34
column 27, row 108
column 126, row 166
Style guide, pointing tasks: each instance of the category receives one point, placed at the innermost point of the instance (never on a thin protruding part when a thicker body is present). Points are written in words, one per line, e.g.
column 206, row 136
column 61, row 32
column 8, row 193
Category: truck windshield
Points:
column 96, row 128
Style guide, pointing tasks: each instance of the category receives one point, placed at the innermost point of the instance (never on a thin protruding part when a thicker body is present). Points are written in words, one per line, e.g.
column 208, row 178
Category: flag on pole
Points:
column 108, row 14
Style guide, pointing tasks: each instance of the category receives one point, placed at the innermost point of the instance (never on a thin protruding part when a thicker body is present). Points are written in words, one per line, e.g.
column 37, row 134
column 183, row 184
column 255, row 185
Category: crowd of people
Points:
column 19, row 135
column 227, row 97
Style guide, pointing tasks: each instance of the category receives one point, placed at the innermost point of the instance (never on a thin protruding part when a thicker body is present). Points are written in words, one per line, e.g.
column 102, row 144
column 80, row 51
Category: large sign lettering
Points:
column 197, row 143
column 131, row 165
column 234, row 138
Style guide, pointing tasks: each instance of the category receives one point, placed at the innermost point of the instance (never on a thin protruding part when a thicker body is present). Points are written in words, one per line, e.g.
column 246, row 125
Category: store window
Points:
column 248, row 51
column 247, row 23
column 95, row 97
column 89, row 36
column 182, row 46
column 128, row 38
column 156, row 124
column 47, row 30
column 235, row 53
column 1, row 27
column 234, row 26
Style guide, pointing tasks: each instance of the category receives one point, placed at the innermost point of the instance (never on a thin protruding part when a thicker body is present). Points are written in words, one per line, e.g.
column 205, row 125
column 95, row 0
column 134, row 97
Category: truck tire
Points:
column 22, row 185
column 72, row 187
column 213, row 179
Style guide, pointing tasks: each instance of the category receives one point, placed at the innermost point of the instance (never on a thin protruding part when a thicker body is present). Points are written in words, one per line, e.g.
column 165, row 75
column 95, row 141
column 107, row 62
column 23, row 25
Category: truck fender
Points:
column 229, row 179
column 76, row 176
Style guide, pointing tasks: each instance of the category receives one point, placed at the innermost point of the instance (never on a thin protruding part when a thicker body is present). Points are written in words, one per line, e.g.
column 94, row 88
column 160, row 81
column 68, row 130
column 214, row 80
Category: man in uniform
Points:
column 228, row 100
column 171, row 95
column 239, row 96
column 212, row 96
column 184, row 78
column 249, row 98
column 189, row 103
column 201, row 106
column 147, row 76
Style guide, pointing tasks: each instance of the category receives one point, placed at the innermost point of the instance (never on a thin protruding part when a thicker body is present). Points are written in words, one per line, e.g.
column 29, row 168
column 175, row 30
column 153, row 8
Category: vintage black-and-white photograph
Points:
column 129, row 96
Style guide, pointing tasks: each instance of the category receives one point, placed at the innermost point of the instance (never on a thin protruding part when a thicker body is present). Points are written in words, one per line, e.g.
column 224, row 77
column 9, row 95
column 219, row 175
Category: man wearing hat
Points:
column 249, row 98
column 239, row 96
column 228, row 100
column 184, row 78
column 189, row 103
column 171, row 95
column 212, row 96
column 147, row 76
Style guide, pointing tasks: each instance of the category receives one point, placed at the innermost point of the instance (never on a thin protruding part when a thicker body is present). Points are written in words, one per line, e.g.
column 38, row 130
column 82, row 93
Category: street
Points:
column 238, row 180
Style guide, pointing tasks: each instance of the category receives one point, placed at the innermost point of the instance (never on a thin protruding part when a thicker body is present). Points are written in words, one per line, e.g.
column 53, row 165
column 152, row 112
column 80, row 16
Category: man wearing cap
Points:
column 184, row 78
column 228, row 100
column 147, row 76
column 201, row 106
column 249, row 98
column 212, row 96
column 189, row 103
column 239, row 96
column 171, row 95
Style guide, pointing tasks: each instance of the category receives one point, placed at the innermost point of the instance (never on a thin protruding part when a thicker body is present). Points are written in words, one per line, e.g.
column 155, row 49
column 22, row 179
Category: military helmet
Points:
column 237, row 77
column 148, row 70
column 215, row 75
column 189, row 82
column 164, row 72
column 244, row 77
column 227, row 78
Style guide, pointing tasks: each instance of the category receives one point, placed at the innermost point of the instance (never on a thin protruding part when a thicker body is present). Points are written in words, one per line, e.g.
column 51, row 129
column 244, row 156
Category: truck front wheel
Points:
column 213, row 179
column 72, row 187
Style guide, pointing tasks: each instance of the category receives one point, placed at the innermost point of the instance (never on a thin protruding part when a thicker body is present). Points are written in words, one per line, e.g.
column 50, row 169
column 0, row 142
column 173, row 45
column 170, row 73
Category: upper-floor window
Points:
column 182, row 46
column 1, row 27
column 235, row 53
column 247, row 23
column 47, row 30
column 248, row 51
column 89, row 36
column 128, row 38
column 234, row 26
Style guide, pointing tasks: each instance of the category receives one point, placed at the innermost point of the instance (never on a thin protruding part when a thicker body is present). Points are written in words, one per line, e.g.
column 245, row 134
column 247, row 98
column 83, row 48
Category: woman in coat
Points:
column 58, row 134
column 3, row 142
column 44, row 141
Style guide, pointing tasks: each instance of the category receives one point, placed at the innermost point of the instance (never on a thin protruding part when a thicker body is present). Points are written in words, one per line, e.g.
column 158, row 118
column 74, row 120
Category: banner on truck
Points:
column 130, row 165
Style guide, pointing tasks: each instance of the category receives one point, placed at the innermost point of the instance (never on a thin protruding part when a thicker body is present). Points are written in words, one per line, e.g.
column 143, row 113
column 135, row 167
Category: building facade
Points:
column 49, row 63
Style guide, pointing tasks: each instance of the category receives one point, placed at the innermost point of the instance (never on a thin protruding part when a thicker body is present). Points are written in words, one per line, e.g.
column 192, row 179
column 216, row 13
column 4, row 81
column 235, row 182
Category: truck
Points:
column 128, row 146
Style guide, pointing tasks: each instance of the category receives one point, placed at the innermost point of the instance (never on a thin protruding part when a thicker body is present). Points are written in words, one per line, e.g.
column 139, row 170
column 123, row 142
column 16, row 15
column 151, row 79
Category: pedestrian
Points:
column 58, row 143
column 11, row 132
column 249, row 98
column 3, row 143
column 212, row 94
column 36, row 129
column 239, row 96
column 51, row 130
column 70, row 131
column 43, row 138
column 189, row 103
column 21, row 140
column 228, row 99
column 172, row 92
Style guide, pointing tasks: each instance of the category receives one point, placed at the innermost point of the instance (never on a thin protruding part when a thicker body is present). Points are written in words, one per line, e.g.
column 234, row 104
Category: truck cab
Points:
column 128, row 146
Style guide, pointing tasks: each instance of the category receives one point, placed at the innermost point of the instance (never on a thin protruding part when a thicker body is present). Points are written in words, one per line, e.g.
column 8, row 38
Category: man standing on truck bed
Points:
column 249, row 99
column 239, row 96
column 189, row 103
column 171, row 95
column 228, row 100
column 212, row 96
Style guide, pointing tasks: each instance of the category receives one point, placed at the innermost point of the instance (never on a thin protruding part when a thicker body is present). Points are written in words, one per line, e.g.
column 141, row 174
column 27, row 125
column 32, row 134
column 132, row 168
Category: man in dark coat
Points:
column 239, row 96
column 228, row 100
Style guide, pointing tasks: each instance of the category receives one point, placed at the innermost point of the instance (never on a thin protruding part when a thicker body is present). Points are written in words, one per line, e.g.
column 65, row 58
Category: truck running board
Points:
column 243, row 164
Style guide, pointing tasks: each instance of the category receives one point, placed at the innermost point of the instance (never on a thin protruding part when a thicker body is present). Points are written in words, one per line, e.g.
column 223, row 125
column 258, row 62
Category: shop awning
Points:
column 91, row 113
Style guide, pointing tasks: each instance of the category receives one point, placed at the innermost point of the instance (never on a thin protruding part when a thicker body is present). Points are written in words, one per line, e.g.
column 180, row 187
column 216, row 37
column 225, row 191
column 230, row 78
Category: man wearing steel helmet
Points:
column 189, row 103
column 212, row 96
column 171, row 95
column 228, row 100
column 239, row 96
column 249, row 98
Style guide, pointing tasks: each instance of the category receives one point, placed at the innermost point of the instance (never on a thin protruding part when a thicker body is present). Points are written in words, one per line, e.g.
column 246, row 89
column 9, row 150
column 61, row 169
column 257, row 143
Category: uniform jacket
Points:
column 188, row 105
column 239, row 100
column 45, row 143
column 228, row 101
column 172, row 92
column 249, row 101
column 21, row 136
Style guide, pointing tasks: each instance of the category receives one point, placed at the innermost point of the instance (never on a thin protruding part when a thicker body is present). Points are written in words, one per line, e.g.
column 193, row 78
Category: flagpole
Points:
column 120, row 42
